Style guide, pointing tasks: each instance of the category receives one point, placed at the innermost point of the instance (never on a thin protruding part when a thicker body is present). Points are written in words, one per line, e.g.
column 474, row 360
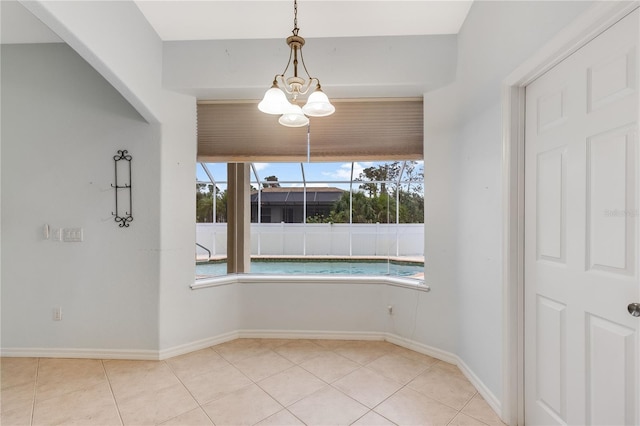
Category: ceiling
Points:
column 267, row 19
column 246, row 19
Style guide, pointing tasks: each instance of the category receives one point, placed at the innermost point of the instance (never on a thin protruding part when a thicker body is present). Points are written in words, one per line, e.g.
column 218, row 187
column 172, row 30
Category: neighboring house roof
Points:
column 295, row 195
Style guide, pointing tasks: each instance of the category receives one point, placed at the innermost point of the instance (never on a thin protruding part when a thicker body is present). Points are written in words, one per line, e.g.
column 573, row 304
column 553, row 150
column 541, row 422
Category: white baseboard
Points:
column 197, row 345
column 488, row 396
column 135, row 354
column 305, row 334
column 422, row 348
column 163, row 354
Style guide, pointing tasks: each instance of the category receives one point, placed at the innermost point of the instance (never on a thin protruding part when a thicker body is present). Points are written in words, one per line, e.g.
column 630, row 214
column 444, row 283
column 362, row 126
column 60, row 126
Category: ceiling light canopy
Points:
column 275, row 100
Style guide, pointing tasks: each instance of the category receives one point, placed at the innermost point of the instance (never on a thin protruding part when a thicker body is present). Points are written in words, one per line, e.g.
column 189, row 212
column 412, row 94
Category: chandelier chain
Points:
column 295, row 18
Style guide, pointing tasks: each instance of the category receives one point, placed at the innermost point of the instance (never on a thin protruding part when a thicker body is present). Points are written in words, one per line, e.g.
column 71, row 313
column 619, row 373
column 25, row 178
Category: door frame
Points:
column 585, row 28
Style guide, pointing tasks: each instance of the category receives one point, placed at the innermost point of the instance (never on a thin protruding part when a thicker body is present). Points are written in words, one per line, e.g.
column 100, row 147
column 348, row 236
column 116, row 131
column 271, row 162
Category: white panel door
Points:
column 582, row 356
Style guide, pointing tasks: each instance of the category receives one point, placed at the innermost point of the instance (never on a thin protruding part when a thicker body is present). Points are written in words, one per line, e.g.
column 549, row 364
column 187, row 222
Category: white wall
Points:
column 338, row 307
column 185, row 316
column 62, row 123
column 464, row 134
column 130, row 58
column 347, row 67
column 439, row 310
column 116, row 39
column 335, row 309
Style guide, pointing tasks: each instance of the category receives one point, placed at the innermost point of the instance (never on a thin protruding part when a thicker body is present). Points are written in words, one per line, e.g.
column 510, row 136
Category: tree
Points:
column 365, row 210
column 271, row 185
column 376, row 202
column 221, row 207
column 204, row 203
column 378, row 178
column 411, row 207
column 413, row 174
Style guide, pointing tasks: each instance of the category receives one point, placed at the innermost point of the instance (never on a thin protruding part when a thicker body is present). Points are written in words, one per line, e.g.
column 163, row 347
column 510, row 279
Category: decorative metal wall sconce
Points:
column 123, row 185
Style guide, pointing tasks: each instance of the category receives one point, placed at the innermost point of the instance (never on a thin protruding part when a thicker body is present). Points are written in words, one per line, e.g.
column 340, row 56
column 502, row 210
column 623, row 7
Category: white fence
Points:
column 296, row 239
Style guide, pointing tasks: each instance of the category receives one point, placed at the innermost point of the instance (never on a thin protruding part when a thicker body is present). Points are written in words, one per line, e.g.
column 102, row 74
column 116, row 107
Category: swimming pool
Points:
column 280, row 267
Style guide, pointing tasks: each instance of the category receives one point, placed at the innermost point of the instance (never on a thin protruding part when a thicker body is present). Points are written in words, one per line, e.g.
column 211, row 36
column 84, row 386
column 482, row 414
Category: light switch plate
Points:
column 56, row 234
column 72, row 235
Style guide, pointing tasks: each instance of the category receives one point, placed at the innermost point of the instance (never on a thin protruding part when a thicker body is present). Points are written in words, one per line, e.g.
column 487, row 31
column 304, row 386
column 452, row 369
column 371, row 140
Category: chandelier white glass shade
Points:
column 293, row 116
column 275, row 100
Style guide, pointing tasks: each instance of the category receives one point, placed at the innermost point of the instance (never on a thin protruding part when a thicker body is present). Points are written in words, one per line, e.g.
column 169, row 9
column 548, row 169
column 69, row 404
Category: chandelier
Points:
column 275, row 100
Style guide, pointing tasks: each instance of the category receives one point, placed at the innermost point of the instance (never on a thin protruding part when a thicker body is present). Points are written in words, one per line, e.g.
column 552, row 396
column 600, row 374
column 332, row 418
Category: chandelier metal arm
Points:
column 288, row 63
column 305, row 67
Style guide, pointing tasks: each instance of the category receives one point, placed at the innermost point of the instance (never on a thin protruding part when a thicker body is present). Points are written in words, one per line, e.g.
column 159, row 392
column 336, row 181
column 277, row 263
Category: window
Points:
column 340, row 210
column 372, row 210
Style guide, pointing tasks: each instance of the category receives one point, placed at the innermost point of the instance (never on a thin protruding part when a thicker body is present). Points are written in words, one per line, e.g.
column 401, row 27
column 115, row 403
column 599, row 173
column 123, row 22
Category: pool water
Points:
column 317, row 267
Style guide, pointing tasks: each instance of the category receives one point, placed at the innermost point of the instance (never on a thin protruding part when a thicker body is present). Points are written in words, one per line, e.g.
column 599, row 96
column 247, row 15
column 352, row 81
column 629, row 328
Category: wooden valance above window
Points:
column 359, row 130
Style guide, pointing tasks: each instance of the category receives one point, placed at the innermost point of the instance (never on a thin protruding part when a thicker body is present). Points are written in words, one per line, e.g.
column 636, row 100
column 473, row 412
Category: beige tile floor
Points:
column 245, row 382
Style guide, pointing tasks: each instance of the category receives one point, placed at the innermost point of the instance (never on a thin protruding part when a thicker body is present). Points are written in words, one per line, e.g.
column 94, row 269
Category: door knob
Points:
column 634, row 309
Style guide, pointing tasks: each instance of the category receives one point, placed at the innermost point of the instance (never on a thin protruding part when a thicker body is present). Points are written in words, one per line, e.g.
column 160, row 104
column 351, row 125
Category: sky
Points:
column 316, row 174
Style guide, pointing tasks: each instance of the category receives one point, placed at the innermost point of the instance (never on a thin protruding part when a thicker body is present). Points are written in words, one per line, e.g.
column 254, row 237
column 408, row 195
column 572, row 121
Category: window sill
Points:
column 410, row 283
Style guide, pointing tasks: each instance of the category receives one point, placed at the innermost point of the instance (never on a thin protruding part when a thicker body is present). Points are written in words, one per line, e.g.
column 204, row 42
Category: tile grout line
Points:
column 220, row 397
column 264, row 390
column 298, row 418
column 353, row 422
column 190, row 393
column 272, row 397
column 35, row 393
column 330, row 383
column 406, row 385
column 115, row 401
column 237, row 360
column 361, row 403
column 286, row 408
column 377, row 414
column 258, row 385
column 361, row 366
column 441, row 402
column 381, row 402
column 242, row 372
column 233, row 365
column 465, row 404
column 295, row 364
column 469, row 402
column 298, row 364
